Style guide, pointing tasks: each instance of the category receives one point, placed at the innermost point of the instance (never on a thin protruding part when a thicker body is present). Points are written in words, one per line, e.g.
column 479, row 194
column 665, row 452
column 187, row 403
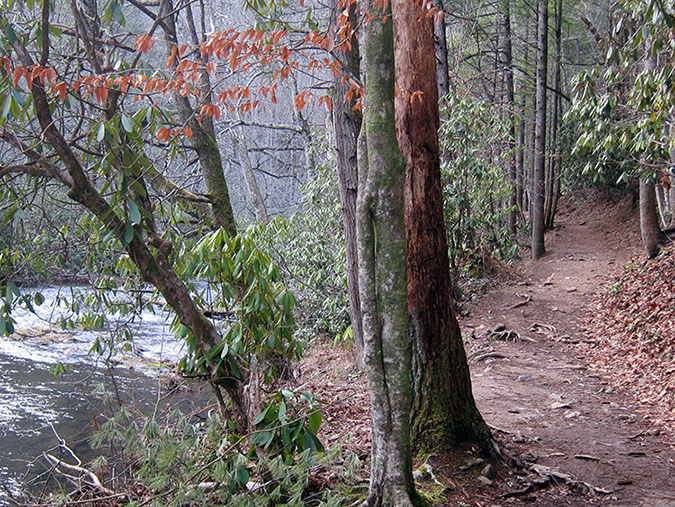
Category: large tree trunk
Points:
column 540, row 135
column 382, row 272
column 346, row 128
column 652, row 236
column 443, row 412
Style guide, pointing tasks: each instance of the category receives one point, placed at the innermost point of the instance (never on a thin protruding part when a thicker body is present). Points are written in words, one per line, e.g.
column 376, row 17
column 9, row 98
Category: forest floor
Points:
column 575, row 425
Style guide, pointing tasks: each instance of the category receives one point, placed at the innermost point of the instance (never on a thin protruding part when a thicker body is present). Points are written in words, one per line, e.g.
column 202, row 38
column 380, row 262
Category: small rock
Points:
column 499, row 328
column 571, row 289
column 524, row 378
column 520, row 439
column 484, row 481
column 472, row 463
column 556, row 397
column 571, row 415
column 489, row 472
column 557, row 404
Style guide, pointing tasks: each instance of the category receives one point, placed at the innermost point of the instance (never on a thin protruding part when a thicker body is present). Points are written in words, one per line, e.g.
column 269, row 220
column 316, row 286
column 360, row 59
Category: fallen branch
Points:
column 488, row 355
column 94, row 481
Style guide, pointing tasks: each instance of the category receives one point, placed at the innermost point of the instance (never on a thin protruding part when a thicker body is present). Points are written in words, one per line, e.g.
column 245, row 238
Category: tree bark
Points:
column 204, row 135
column 441, row 48
column 382, row 271
column 251, row 181
column 552, row 192
column 652, row 236
column 511, row 105
column 443, row 412
column 540, row 135
column 346, row 122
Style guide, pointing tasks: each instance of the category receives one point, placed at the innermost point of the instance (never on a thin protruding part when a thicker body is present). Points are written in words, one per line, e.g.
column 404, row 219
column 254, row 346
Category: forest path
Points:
column 545, row 402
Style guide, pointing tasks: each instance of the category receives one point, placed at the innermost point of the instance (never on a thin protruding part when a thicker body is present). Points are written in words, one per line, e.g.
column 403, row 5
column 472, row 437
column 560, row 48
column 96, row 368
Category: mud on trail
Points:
column 554, row 415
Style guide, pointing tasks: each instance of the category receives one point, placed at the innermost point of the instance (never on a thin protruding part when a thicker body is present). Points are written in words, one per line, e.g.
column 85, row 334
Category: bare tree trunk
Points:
column 441, row 48
column 346, row 128
column 520, row 162
column 382, row 272
column 443, row 412
column 251, row 181
column 553, row 190
column 652, row 236
column 511, row 105
column 540, row 135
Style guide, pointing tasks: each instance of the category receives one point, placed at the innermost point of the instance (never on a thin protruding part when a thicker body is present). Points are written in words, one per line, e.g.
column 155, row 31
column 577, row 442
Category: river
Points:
column 37, row 407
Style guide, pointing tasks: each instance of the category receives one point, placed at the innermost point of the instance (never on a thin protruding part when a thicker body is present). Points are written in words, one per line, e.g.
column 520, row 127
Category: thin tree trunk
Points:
column 554, row 161
column 443, row 412
column 441, row 48
column 346, row 123
column 520, row 162
column 249, row 176
column 511, row 108
column 540, row 135
column 382, row 272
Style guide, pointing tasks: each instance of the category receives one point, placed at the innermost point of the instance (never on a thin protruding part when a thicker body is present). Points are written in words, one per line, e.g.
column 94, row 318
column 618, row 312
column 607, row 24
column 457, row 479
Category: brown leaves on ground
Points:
column 328, row 371
column 634, row 329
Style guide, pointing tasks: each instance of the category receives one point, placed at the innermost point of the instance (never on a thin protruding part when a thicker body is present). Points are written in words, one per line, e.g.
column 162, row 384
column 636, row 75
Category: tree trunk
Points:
column 652, row 236
column 251, row 181
column 382, row 271
column 511, row 108
column 554, row 164
column 520, row 162
column 204, row 135
column 540, row 135
column 443, row 411
column 346, row 128
column 441, row 48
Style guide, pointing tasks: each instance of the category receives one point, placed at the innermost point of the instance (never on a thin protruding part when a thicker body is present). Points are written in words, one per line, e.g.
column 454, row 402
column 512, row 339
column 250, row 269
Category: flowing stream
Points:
column 38, row 408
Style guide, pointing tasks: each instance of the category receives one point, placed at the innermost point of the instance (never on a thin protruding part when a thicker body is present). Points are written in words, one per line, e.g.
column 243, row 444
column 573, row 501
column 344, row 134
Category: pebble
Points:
column 571, row 415
column 524, row 378
column 489, row 472
column 484, row 481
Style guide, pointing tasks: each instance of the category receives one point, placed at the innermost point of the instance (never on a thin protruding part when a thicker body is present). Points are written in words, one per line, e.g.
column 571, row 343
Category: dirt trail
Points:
column 547, row 404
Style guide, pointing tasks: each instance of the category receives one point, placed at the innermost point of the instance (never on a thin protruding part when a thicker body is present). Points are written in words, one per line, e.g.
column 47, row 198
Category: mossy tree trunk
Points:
column 382, row 271
column 443, row 411
column 203, row 141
